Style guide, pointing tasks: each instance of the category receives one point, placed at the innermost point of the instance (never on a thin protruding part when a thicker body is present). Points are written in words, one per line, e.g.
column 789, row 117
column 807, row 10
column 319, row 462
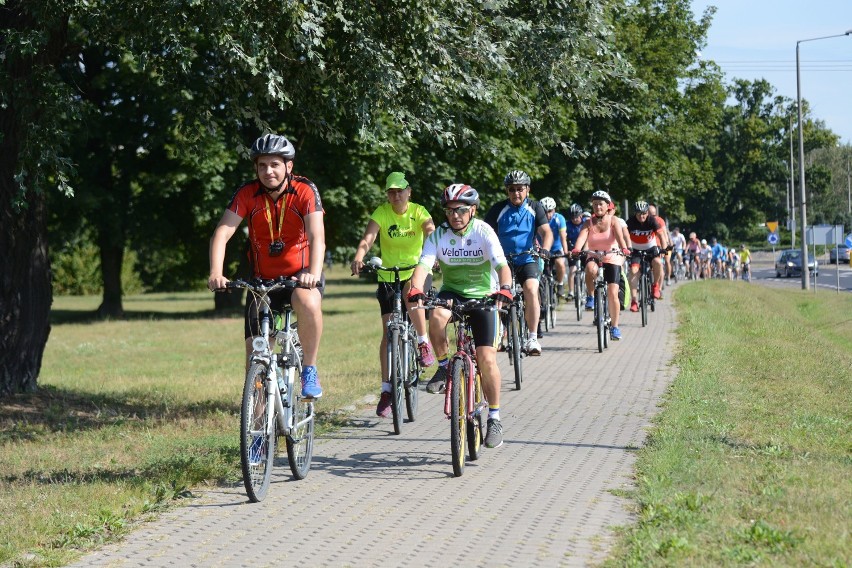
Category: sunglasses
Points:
column 461, row 210
column 516, row 189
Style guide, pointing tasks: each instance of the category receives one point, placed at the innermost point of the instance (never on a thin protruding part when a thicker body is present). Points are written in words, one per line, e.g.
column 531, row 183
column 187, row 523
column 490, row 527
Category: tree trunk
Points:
column 112, row 257
column 25, row 290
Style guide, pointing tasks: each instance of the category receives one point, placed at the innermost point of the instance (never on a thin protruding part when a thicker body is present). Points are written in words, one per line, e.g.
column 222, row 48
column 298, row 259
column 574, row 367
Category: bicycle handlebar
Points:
column 463, row 307
column 265, row 284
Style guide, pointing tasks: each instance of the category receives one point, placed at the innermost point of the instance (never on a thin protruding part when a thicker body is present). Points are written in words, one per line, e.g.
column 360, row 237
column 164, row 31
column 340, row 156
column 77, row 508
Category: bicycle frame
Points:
column 465, row 353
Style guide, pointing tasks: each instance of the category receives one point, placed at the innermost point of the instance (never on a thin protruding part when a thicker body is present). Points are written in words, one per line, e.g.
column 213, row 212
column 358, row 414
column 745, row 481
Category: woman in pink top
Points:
column 602, row 233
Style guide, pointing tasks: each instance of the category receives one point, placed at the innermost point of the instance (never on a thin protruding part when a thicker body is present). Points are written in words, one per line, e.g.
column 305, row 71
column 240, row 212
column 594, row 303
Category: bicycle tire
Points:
column 605, row 310
column 413, row 375
column 300, row 440
column 395, row 378
column 515, row 346
column 474, row 424
column 579, row 292
column 643, row 298
column 253, row 419
column 458, row 417
column 599, row 319
column 543, row 301
column 554, row 303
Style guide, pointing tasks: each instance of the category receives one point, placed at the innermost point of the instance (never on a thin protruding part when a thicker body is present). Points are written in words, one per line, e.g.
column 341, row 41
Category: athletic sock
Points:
column 386, row 386
column 493, row 412
column 422, row 339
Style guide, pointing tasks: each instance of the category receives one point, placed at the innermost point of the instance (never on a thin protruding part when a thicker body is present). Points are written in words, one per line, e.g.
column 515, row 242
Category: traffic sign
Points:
column 849, row 240
column 772, row 238
column 772, row 226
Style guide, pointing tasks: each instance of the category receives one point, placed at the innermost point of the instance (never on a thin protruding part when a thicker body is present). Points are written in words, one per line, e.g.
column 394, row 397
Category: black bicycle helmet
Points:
column 274, row 145
column 601, row 194
column 640, row 207
column 460, row 192
column 575, row 210
column 516, row 177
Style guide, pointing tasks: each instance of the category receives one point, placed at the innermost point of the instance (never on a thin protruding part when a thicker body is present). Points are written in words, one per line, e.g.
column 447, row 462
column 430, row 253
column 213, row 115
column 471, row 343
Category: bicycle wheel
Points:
column 552, row 305
column 300, row 440
column 544, row 301
column 412, row 375
column 395, row 378
column 599, row 318
column 474, row 424
column 579, row 292
column 605, row 310
column 458, row 416
column 257, row 446
column 643, row 298
column 515, row 345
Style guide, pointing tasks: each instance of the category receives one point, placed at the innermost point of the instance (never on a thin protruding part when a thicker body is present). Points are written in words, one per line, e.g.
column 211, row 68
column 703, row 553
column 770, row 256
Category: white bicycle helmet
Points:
column 460, row 192
column 549, row 204
column 274, row 145
column 600, row 194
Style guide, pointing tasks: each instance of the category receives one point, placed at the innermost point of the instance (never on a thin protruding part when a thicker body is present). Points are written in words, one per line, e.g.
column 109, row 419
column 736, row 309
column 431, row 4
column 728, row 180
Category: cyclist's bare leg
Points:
column 571, row 270
column 486, row 360
column 559, row 271
column 657, row 269
column 531, row 303
column 633, row 278
column 591, row 274
column 417, row 317
column 307, row 303
column 438, row 332
column 614, row 304
column 383, row 347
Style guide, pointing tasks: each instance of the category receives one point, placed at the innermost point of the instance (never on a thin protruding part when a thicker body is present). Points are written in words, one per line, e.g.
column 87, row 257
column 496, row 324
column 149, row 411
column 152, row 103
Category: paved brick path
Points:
column 543, row 499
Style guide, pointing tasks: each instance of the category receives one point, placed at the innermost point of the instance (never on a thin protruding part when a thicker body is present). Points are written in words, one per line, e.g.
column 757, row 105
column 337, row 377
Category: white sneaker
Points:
column 532, row 346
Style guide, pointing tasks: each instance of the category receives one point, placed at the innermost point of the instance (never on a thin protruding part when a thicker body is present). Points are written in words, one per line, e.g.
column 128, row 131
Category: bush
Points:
column 76, row 270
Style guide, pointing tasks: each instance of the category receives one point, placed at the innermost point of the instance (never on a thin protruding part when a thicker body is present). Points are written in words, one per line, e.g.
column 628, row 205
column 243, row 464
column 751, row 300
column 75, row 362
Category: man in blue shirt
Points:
column 719, row 253
column 559, row 228
column 517, row 221
column 572, row 228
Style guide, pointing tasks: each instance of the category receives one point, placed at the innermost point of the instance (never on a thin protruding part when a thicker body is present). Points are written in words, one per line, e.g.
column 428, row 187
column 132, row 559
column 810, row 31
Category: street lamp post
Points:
column 806, row 274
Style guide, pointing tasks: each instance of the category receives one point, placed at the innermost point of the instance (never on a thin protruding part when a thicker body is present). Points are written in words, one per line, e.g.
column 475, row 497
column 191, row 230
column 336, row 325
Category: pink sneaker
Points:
column 427, row 357
column 383, row 409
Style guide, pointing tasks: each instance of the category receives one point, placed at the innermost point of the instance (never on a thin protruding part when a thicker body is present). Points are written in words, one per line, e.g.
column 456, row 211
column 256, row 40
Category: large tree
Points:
column 327, row 69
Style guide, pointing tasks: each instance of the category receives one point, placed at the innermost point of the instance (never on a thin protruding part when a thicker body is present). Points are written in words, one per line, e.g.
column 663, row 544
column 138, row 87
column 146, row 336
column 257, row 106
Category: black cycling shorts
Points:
column 484, row 324
column 612, row 272
column 277, row 300
column 385, row 291
column 653, row 253
column 526, row 272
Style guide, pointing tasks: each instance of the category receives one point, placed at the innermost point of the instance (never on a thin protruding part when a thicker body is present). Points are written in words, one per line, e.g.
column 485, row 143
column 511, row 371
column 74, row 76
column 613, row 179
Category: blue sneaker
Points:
column 615, row 334
column 310, row 383
column 255, row 453
column 590, row 303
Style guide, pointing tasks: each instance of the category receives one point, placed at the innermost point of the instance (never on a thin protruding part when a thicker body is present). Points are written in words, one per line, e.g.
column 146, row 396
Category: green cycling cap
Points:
column 396, row 180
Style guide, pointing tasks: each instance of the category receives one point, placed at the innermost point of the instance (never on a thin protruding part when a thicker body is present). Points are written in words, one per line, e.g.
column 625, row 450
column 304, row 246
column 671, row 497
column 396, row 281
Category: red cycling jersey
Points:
column 643, row 234
column 282, row 220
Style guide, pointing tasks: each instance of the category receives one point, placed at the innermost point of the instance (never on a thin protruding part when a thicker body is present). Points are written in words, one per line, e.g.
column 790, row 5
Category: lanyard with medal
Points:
column 276, row 247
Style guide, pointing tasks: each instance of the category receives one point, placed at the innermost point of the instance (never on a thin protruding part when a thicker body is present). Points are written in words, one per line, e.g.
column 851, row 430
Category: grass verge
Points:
column 750, row 460
column 134, row 414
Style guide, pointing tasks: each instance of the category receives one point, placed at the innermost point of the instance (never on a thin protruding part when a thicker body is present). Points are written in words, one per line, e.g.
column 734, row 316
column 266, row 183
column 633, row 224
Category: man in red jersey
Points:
column 286, row 238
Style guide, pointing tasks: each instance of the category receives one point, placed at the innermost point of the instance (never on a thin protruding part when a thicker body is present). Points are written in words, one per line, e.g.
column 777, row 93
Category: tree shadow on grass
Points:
column 31, row 416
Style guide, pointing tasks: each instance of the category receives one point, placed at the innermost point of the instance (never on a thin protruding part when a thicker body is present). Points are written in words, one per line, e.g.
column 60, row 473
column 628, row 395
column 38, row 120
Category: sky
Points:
column 756, row 39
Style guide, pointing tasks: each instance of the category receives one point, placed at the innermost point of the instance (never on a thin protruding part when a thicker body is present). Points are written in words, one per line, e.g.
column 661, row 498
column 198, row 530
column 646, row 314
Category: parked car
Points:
column 841, row 252
column 789, row 264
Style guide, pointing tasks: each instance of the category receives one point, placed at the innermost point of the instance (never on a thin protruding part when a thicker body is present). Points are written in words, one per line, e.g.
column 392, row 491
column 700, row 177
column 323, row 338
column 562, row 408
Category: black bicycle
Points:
column 645, row 296
column 548, row 298
column 402, row 362
column 516, row 323
column 579, row 288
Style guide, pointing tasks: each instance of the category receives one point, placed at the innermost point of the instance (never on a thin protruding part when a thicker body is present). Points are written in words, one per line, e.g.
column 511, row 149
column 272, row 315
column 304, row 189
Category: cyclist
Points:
column 401, row 227
column 678, row 242
column 559, row 228
column 286, row 238
column 733, row 264
column 646, row 234
column 516, row 221
column 720, row 254
column 575, row 213
column 693, row 249
column 745, row 259
column 706, row 257
column 602, row 232
column 665, row 246
column 473, row 264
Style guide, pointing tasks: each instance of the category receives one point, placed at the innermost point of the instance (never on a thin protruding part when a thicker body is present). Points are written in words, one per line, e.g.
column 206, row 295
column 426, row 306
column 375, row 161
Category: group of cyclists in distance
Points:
column 477, row 258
